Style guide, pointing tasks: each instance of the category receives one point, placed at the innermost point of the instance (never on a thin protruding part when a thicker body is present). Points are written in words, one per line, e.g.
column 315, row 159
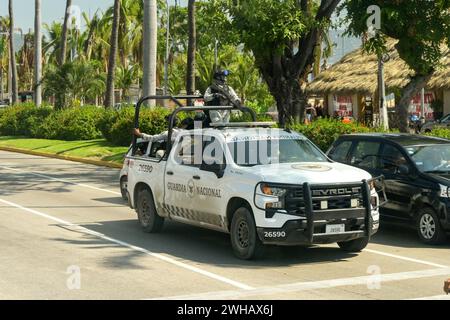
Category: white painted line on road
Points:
column 406, row 258
column 314, row 285
column 443, row 297
column 60, row 180
column 130, row 246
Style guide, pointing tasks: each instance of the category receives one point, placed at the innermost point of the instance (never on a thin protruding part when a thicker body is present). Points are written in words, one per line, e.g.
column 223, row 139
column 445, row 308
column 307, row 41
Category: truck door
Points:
column 191, row 194
column 210, row 184
column 178, row 180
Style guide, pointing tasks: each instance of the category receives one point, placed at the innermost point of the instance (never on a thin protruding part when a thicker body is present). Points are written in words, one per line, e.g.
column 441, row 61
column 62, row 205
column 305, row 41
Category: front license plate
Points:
column 335, row 228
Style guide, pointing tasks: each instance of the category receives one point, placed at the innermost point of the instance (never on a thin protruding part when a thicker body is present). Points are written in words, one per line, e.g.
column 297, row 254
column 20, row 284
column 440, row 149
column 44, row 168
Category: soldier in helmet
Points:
column 220, row 94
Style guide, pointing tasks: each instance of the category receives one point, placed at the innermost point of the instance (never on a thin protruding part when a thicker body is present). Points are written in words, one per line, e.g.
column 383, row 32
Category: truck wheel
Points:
column 429, row 228
column 244, row 238
column 148, row 217
column 124, row 188
column 356, row 245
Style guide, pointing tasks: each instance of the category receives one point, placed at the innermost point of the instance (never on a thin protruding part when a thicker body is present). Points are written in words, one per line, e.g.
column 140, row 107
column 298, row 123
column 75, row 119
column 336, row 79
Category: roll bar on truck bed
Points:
column 182, row 108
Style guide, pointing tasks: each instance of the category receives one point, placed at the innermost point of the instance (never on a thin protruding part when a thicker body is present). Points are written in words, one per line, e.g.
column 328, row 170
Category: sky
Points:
column 52, row 10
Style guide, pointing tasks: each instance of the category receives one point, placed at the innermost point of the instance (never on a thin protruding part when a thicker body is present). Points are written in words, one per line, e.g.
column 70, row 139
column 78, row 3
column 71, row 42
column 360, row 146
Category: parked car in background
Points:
column 441, row 123
column 417, row 177
column 4, row 103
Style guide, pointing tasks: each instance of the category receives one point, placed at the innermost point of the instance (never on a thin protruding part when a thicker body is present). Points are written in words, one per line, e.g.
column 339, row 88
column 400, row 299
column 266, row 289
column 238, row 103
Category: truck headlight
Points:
column 444, row 191
column 269, row 190
column 269, row 196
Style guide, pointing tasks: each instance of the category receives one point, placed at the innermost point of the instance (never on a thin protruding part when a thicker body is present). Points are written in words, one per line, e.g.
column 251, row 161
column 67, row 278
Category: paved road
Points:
column 66, row 234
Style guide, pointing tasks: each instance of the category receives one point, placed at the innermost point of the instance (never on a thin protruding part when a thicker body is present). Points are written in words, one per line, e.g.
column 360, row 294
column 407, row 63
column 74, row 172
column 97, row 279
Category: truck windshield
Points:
column 263, row 152
column 431, row 158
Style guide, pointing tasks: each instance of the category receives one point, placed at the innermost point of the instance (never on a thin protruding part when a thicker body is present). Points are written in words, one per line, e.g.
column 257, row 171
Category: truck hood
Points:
column 313, row 173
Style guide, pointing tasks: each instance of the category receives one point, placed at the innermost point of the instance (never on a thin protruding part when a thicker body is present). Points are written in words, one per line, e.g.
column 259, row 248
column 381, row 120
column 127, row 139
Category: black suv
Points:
column 417, row 173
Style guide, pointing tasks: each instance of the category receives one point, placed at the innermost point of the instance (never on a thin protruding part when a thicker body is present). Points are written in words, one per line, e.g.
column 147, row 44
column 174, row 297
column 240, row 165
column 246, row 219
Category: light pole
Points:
column 382, row 59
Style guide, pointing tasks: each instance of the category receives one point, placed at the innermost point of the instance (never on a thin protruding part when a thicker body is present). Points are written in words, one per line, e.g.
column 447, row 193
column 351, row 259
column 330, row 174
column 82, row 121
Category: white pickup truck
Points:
column 261, row 185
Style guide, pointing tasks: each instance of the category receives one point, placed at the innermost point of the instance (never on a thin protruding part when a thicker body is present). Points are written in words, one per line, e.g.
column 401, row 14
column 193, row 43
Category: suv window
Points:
column 141, row 148
column 365, row 154
column 157, row 146
column 340, row 152
column 213, row 151
column 392, row 158
column 185, row 152
column 446, row 119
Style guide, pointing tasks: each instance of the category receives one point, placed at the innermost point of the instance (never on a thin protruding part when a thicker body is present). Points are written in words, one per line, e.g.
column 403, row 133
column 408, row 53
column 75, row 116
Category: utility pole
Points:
column 166, row 60
column 422, row 103
column 37, row 55
column 382, row 59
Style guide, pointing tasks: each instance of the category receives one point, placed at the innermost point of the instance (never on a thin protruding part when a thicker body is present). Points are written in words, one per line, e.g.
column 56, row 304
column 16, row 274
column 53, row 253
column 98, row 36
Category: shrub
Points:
column 22, row 120
column 324, row 132
column 117, row 126
column 440, row 133
column 72, row 124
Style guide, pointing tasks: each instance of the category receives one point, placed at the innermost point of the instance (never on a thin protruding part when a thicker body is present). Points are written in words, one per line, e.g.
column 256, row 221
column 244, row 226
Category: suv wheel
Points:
column 244, row 238
column 149, row 219
column 429, row 227
column 356, row 245
column 124, row 188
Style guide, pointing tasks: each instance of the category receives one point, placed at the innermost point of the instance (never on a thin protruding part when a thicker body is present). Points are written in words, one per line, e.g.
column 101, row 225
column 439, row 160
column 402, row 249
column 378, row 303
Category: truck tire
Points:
column 429, row 228
column 149, row 219
column 124, row 188
column 356, row 245
column 244, row 237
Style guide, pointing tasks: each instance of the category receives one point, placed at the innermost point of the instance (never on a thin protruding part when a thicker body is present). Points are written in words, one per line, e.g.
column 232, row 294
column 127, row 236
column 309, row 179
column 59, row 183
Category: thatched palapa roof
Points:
column 356, row 73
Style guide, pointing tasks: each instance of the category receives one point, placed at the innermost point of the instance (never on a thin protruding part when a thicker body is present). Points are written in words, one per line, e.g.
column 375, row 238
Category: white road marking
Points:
column 405, row 258
column 180, row 264
column 170, row 260
column 61, row 180
column 314, row 285
column 443, row 297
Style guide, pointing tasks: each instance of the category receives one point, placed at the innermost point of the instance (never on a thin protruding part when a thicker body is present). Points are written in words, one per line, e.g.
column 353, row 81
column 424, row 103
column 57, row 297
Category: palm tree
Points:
column 12, row 55
column 192, row 48
column 37, row 55
column 125, row 78
column 150, row 48
column 62, row 58
column 109, row 97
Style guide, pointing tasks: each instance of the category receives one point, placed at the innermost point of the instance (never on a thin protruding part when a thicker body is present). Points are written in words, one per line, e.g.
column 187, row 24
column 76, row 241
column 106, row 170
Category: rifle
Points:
column 225, row 91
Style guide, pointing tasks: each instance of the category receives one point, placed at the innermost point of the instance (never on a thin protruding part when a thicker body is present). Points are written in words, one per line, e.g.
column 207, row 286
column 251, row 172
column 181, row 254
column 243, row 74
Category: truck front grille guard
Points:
column 309, row 211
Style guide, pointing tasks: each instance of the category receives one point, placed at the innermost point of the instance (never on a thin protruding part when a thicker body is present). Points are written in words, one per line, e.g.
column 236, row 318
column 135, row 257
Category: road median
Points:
column 94, row 152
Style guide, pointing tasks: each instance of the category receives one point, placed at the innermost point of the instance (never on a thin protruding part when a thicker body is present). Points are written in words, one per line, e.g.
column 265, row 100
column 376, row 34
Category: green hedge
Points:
column 117, row 126
column 22, row 120
column 88, row 123
column 72, row 124
column 440, row 133
column 82, row 123
column 323, row 132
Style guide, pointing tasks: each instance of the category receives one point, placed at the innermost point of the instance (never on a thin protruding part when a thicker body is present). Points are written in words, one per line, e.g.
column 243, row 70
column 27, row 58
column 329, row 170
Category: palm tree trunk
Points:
column 150, row 49
column 37, row 55
column 192, row 48
column 109, row 97
column 62, row 58
column 12, row 56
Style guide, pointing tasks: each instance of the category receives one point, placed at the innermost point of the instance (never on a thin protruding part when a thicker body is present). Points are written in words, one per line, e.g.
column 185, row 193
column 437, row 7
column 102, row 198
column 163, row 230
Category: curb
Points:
column 62, row 157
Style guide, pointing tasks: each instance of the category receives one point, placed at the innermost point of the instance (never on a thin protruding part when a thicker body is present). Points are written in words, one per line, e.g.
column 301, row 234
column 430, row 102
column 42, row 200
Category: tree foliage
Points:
column 421, row 28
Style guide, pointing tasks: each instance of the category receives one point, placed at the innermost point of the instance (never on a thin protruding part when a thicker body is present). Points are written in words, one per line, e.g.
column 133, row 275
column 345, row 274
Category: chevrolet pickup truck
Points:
column 262, row 185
